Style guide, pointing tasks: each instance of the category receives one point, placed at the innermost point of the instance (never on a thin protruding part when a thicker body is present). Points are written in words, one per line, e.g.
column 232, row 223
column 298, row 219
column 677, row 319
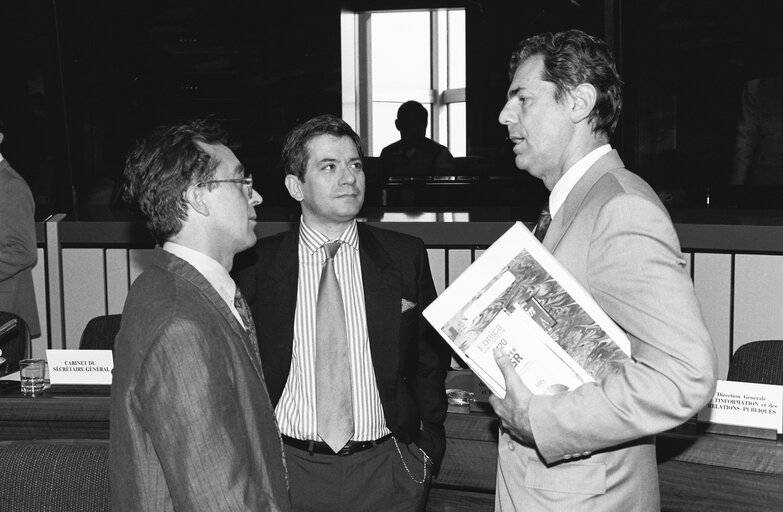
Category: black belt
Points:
column 324, row 449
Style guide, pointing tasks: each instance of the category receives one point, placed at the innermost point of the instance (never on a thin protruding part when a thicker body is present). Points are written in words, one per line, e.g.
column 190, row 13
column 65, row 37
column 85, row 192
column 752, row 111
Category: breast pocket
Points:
column 571, row 477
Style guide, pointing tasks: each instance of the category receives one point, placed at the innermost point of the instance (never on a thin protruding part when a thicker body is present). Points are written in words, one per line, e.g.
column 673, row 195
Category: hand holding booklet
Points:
column 519, row 298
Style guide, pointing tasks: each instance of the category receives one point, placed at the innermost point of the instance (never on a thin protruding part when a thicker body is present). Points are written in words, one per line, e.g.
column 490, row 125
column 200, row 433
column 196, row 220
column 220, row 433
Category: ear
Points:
column 196, row 199
column 294, row 187
column 583, row 98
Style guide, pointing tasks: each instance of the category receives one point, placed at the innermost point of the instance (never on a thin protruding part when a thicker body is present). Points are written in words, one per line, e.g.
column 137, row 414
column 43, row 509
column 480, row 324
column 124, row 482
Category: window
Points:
column 389, row 57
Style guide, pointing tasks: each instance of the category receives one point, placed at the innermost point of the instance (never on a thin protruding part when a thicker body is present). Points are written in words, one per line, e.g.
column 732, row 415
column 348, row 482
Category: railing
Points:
column 86, row 268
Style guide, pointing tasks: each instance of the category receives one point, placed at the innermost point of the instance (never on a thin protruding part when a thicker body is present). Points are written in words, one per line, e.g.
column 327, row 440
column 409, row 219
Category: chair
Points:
column 14, row 341
column 99, row 333
column 758, row 361
column 55, row 475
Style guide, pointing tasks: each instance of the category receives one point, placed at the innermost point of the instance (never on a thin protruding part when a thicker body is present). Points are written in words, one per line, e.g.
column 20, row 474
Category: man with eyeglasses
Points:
column 192, row 427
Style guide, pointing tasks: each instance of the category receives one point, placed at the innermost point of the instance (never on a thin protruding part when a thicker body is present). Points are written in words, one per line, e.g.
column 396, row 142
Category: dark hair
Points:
column 295, row 153
column 572, row 58
column 161, row 167
column 412, row 113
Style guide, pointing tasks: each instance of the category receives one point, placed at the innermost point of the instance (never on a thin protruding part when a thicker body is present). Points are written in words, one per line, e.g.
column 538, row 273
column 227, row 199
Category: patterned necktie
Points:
column 334, row 409
column 544, row 219
column 244, row 312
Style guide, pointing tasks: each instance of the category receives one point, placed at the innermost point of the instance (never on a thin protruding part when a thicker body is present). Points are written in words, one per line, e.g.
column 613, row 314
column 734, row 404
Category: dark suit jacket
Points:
column 18, row 251
column 192, row 427
column 409, row 358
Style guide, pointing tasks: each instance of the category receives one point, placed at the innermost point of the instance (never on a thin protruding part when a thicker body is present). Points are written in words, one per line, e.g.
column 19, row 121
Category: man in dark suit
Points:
column 394, row 365
column 18, row 252
column 192, row 427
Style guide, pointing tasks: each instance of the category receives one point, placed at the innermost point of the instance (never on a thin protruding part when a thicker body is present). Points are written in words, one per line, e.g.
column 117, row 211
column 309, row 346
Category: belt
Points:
column 324, row 449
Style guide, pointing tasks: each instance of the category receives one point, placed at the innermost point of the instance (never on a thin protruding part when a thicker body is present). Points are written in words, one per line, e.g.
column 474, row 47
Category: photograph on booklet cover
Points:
column 517, row 297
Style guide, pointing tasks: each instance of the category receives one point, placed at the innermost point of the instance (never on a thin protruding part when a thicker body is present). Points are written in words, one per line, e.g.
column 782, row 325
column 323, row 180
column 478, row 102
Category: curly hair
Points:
column 572, row 58
column 295, row 153
column 161, row 167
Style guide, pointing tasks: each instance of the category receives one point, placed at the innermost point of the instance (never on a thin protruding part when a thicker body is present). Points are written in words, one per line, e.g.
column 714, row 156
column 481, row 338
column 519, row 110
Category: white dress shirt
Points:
column 296, row 411
column 567, row 182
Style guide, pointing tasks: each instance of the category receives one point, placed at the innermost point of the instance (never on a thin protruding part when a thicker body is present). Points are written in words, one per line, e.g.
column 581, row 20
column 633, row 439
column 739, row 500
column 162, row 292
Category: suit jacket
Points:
column 18, row 251
column 192, row 427
column 409, row 358
column 595, row 445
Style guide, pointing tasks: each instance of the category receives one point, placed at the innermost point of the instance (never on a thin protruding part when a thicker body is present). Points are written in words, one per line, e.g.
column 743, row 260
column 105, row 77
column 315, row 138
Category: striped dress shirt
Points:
column 296, row 411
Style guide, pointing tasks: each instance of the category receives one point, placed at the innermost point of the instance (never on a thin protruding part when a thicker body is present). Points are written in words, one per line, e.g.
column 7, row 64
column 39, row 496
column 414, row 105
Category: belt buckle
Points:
column 345, row 450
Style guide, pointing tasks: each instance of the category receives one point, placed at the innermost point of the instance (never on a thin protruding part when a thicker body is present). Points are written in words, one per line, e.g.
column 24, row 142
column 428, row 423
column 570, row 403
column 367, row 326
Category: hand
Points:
column 513, row 408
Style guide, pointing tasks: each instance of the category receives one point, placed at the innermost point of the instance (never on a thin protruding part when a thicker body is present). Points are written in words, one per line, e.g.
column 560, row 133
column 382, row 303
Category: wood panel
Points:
column 84, row 291
column 459, row 260
column 712, row 282
column 758, row 298
column 116, row 280
column 437, row 259
column 41, row 343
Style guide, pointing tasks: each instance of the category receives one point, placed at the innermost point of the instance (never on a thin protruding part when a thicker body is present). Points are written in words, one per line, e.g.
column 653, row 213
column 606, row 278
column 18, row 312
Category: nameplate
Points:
column 80, row 366
column 746, row 404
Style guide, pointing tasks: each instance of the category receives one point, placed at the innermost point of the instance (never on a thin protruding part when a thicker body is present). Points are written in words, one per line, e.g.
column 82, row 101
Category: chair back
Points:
column 14, row 341
column 758, row 361
column 99, row 333
column 61, row 475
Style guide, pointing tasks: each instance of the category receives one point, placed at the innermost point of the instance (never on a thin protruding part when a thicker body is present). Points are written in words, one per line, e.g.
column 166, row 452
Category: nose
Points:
column 507, row 115
column 255, row 198
column 349, row 175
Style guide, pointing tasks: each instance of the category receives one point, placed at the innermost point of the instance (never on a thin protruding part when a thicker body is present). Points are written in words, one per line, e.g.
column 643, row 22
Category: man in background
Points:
column 18, row 250
column 358, row 387
column 192, row 427
column 415, row 154
column 593, row 448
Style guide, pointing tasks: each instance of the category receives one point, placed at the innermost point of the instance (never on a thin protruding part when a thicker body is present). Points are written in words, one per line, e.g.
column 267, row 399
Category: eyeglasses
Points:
column 247, row 182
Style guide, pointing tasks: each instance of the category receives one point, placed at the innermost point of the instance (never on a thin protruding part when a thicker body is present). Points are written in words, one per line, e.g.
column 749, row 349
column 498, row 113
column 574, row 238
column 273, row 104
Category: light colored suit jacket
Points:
column 18, row 252
column 595, row 445
column 192, row 428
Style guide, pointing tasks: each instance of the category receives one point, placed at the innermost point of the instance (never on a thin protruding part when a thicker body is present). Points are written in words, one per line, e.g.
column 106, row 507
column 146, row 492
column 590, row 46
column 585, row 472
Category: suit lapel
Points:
column 189, row 273
column 576, row 197
column 283, row 277
column 382, row 294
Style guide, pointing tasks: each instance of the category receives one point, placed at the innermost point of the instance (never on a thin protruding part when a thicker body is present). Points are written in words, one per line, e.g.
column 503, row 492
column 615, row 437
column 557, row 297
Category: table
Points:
column 698, row 471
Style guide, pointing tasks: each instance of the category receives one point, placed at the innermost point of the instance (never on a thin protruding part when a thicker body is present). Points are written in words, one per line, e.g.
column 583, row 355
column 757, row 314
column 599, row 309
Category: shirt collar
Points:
column 564, row 186
column 1, row 157
column 214, row 272
column 313, row 240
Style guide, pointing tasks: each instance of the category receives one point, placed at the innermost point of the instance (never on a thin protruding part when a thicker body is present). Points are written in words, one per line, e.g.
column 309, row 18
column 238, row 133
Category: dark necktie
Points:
column 244, row 313
column 247, row 318
column 544, row 219
column 334, row 409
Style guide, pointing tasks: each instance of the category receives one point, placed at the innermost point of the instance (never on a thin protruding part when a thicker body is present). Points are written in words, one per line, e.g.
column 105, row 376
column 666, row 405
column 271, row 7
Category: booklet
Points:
column 518, row 297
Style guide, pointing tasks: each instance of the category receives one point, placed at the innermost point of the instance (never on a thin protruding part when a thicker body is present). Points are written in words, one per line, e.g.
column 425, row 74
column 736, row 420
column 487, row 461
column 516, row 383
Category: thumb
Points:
column 504, row 363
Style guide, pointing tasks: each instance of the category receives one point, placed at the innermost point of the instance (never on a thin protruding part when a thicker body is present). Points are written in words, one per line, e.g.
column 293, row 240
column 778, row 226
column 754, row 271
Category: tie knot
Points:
column 331, row 248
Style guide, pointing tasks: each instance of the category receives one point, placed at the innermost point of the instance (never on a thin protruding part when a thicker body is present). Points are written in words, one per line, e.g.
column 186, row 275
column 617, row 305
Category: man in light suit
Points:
column 396, row 364
column 593, row 448
column 192, row 427
column 18, row 252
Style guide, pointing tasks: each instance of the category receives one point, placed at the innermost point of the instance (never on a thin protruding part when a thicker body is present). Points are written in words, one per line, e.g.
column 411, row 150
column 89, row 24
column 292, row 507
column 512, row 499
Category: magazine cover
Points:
column 518, row 297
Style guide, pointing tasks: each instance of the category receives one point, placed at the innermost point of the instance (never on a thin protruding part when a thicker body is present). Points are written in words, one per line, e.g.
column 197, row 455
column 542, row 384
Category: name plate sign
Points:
column 80, row 366
column 747, row 405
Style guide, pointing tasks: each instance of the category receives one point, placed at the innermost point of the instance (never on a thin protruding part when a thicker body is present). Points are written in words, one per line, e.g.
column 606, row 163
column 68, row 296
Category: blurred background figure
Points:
column 414, row 154
column 758, row 155
column 18, row 252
